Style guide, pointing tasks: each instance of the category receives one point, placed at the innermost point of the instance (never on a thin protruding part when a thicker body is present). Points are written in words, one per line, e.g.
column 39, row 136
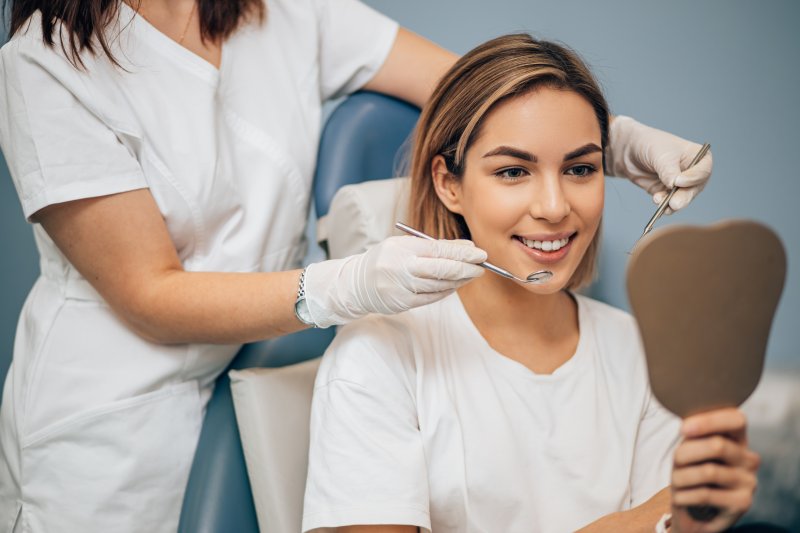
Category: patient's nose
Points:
column 548, row 200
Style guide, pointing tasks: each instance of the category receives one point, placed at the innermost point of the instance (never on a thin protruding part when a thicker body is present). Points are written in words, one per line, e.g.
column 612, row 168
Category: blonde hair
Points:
column 505, row 67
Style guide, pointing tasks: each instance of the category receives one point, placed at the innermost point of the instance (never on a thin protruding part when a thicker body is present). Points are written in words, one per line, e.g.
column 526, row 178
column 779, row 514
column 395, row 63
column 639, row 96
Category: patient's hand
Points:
column 713, row 467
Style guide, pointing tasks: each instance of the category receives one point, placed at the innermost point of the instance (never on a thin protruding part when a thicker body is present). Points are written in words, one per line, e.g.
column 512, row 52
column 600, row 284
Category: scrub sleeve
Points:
column 56, row 148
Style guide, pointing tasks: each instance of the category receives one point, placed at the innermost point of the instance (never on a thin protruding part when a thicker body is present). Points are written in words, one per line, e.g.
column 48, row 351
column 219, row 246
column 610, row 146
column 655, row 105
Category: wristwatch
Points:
column 301, row 305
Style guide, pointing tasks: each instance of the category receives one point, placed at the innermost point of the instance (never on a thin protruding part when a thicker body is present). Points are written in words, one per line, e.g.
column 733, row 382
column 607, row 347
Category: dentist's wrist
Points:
column 301, row 310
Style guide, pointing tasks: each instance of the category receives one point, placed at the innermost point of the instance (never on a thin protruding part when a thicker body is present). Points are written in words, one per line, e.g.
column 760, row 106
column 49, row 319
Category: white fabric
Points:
column 417, row 420
column 363, row 214
column 98, row 426
column 395, row 275
column 272, row 411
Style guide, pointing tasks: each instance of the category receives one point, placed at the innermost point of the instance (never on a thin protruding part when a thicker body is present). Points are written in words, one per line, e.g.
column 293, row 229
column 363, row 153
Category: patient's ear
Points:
column 448, row 187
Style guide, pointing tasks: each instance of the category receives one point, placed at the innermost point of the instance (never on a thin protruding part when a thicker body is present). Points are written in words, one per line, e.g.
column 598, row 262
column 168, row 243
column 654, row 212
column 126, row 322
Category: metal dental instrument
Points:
column 539, row 276
column 665, row 202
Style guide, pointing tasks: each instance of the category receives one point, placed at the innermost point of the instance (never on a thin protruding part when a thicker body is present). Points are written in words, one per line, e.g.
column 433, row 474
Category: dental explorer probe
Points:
column 665, row 202
column 540, row 276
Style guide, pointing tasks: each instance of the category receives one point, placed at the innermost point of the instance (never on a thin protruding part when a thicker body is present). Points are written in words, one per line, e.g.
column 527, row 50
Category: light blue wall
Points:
column 18, row 258
column 722, row 71
column 18, row 265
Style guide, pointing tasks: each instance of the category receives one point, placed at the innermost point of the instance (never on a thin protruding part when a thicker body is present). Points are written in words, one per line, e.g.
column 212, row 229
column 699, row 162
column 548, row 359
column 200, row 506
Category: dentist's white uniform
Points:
column 98, row 426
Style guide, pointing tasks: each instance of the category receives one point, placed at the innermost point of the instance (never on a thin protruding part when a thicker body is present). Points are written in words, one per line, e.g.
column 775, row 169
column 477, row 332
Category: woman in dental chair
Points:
column 507, row 407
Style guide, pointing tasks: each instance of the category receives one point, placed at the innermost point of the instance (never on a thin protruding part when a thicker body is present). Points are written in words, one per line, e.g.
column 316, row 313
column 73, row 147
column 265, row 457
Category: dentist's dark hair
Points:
column 83, row 25
column 503, row 68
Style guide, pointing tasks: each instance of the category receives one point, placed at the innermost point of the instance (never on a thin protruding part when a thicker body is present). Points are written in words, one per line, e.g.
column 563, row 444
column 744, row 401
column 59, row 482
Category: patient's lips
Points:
column 546, row 248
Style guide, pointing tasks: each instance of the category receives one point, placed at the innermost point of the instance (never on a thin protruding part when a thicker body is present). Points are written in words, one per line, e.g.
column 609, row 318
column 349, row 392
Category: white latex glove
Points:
column 655, row 161
column 395, row 275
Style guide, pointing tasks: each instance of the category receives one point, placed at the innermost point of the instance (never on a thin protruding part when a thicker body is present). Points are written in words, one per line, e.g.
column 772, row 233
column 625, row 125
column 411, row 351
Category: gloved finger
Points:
column 442, row 269
column 671, row 165
column 698, row 174
column 428, row 286
column 683, row 197
column 650, row 185
column 668, row 168
column 425, row 298
column 659, row 197
column 459, row 250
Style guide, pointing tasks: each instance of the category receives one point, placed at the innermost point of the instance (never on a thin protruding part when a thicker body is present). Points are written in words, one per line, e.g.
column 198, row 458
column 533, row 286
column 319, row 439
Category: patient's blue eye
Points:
column 511, row 174
column 581, row 171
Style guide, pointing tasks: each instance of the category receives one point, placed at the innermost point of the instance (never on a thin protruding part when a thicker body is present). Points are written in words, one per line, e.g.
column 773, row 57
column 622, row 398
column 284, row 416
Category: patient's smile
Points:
column 546, row 250
column 546, row 245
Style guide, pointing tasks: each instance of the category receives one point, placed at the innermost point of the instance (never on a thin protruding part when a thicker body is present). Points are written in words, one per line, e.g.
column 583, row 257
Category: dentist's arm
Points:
column 121, row 245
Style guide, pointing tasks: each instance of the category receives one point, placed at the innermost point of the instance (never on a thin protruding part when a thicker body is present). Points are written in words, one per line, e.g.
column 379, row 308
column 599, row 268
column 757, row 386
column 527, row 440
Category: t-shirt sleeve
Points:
column 56, row 149
column 656, row 439
column 366, row 457
column 354, row 43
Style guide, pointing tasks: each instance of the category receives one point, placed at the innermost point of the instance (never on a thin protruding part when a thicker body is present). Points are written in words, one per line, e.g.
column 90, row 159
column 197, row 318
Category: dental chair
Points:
column 360, row 141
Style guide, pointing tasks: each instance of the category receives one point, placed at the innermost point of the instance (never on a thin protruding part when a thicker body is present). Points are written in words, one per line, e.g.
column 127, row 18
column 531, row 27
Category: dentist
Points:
column 163, row 150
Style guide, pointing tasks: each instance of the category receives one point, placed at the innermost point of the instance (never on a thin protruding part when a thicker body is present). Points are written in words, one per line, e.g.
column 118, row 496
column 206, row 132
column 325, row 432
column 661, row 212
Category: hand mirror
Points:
column 704, row 299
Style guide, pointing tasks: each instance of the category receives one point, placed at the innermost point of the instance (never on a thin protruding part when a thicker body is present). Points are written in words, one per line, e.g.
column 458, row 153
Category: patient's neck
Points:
column 538, row 331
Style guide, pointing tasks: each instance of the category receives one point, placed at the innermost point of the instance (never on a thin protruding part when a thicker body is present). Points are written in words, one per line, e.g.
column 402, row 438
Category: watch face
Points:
column 301, row 310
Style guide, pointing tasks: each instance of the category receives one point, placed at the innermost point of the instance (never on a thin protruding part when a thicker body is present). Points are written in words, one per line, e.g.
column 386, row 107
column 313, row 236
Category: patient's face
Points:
column 532, row 191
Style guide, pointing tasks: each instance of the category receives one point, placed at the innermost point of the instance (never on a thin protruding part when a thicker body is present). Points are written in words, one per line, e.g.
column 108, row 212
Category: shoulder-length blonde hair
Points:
column 499, row 69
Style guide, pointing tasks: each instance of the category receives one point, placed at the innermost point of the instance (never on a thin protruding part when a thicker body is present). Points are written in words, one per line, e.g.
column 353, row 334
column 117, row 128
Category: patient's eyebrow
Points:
column 512, row 152
column 586, row 149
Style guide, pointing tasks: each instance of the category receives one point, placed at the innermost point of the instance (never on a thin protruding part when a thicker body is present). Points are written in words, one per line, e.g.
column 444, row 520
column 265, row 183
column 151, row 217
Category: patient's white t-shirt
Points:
column 416, row 420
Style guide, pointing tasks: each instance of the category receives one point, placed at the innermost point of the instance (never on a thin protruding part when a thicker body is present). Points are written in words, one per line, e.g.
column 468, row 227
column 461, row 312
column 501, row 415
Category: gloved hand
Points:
column 654, row 160
column 395, row 275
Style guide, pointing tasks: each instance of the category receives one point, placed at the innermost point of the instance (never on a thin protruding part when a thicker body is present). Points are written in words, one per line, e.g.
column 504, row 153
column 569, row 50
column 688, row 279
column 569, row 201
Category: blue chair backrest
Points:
column 360, row 141
column 364, row 139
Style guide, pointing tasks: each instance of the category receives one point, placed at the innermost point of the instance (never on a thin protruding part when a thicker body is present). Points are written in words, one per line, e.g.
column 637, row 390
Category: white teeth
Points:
column 546, row 246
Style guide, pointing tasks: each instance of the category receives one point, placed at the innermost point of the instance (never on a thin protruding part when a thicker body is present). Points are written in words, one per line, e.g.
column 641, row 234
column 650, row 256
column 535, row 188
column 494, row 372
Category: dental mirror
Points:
column 540, row 276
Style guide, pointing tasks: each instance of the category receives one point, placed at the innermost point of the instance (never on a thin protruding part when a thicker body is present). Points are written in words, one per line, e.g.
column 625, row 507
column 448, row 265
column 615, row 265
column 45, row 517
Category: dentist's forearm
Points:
column 216, row 307
column 120, row 245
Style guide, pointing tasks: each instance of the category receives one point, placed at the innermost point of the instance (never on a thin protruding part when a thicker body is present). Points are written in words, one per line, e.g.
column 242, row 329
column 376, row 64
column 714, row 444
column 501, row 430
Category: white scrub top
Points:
column 98, row 426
